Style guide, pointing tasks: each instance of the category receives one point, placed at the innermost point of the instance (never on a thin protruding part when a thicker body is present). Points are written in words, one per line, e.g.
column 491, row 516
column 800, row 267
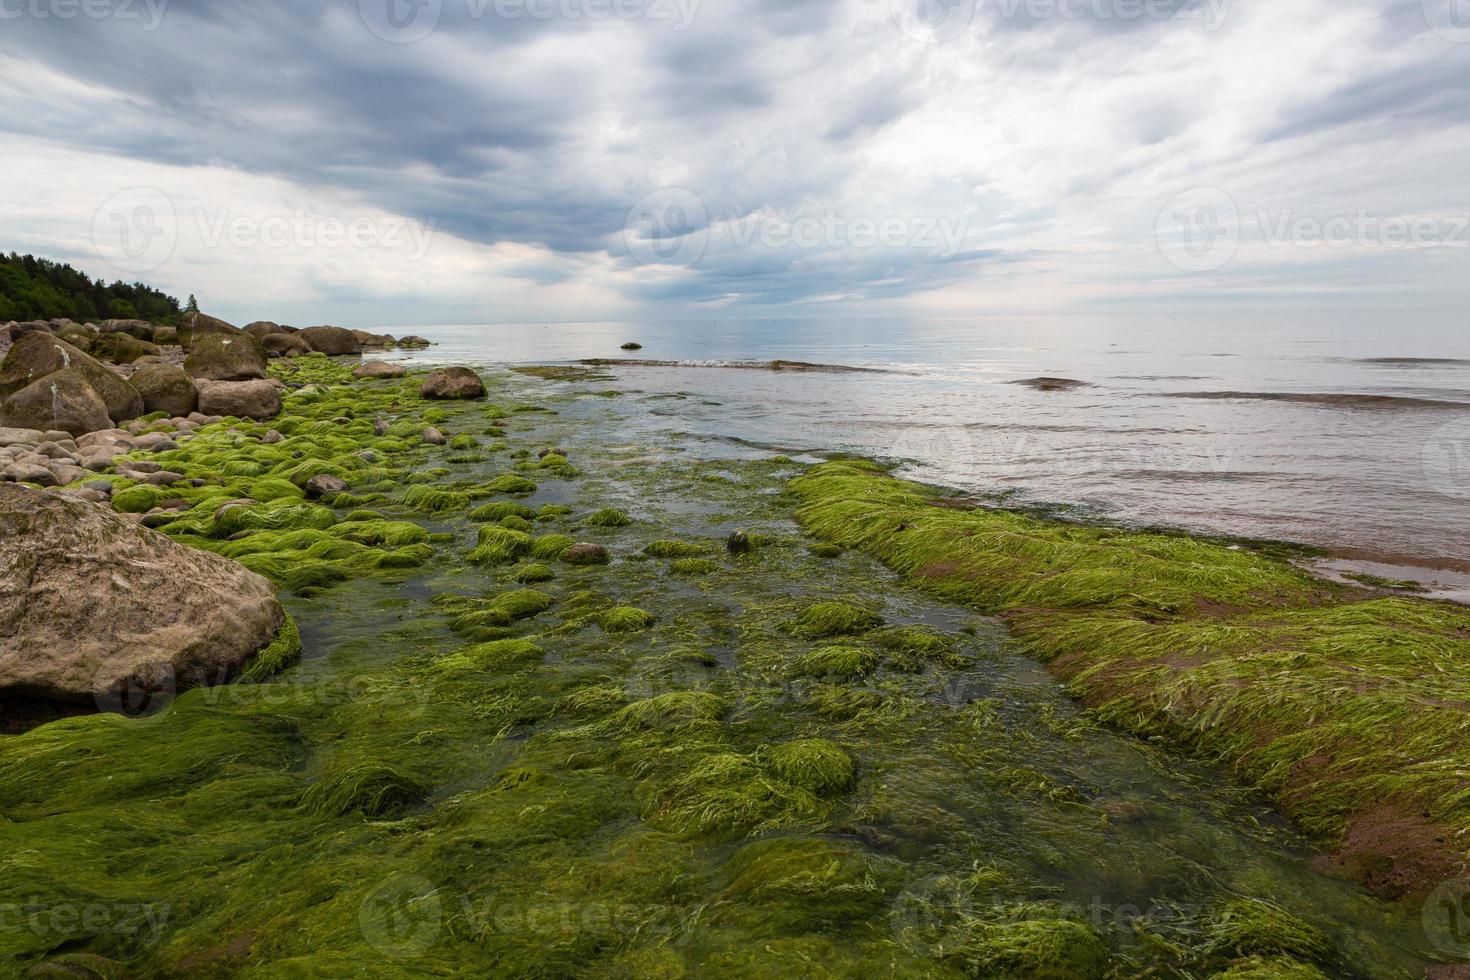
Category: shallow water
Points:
column 1214, row 427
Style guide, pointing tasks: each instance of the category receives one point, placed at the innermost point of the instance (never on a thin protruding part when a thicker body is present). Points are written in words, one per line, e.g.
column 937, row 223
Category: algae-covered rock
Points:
column 94, row 608
column 813, row 764
column 166, row 388
column 195, row 325
column 332, row 341
column 244, row 399
column 63, row 400
column 120, row 348
column 453, row 383
column 412, row 342
column 225, row 357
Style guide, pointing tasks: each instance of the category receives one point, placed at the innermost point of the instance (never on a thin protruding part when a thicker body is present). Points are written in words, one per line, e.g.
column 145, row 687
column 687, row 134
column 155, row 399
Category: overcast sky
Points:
column 431, row 161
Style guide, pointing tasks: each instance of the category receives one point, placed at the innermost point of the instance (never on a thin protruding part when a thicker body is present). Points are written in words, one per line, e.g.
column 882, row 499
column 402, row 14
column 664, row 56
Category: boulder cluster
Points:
column 65, row 379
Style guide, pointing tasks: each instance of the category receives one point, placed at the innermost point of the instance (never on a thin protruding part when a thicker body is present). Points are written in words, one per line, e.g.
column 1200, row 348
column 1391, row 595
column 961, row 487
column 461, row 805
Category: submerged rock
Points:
column 585, row 554
column 738, row 543
column 244, row 399
column 412, row 342
column 452, row 383
column 94, row 608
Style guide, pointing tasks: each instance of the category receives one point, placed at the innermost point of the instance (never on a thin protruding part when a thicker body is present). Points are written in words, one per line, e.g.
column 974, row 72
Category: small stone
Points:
column 380, row 427
column 142, row 466
column 433, row 436
column 67, row 472
column 101, row 486
column 30, row 473
column 163, row 478
column 738, row 543
column 325, row 485
column 549, row 451
column 272, row 437
column 585, row 554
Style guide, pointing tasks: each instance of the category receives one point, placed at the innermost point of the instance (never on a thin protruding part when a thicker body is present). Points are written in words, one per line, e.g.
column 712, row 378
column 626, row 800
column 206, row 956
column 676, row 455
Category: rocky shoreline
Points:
column 544, row 660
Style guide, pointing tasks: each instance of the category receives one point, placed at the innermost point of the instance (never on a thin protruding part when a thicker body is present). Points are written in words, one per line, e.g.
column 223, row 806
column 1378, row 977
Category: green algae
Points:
column 813, row 764
column 694, row 567
column 499, row 510
column 496, row 656
column 569, row 803
column 532, row 573
column 626, row 619
column 674, row 549
column 828, row 619
column 497, row 545
column 838, row 662
column 1233, row 653
column 371, row 790
column 434, row 500
column 608, row 517
column 510, row 484
column 282, row 652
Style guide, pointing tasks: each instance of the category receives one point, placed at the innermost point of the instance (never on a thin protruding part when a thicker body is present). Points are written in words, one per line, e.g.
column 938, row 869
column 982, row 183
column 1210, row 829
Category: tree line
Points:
column 33, row 288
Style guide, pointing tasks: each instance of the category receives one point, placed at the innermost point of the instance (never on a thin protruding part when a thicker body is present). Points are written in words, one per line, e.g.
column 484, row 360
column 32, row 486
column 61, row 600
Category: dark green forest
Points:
column 33, row 288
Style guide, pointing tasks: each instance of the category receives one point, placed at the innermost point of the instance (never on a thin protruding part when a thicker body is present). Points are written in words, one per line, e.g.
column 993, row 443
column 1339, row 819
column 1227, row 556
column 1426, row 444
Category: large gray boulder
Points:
column 94, row 607
column 284, row 345
column 62, row 400
column 193, row 325
column 166, row 388
column 452, row 383
column 262, row 328
column 225, row 357
column 37, row 355
column 331, row 341
column 243, row 399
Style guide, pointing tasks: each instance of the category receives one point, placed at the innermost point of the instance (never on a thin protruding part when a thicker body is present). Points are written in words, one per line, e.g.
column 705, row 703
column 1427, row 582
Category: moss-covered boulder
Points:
column 195, row 325
column 62, row 400
column 37, row 355
column 120, row 348
column 453, row 383
column 166, row 388
column 332, row 341
column 158, row 617
column 225, row 357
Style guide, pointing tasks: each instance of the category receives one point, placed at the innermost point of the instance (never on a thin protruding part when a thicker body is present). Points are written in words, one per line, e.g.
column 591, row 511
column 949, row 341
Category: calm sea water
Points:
column 1356, row 439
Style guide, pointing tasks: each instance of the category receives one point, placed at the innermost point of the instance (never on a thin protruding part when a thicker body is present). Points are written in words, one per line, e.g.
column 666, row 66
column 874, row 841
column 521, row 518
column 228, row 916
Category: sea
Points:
column 1350, row 438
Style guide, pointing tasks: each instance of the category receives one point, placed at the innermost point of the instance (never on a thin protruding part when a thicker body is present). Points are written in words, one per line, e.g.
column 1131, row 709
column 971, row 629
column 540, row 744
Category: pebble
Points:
column 433, row 436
